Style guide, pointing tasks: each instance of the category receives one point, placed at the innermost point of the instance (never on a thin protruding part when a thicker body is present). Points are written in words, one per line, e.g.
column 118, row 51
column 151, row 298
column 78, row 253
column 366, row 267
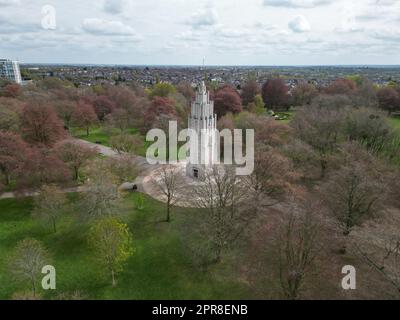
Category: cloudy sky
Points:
column 224, row 32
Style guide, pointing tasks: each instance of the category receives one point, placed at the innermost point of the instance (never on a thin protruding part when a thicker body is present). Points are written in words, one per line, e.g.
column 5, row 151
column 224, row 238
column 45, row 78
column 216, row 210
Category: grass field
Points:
column 286, row 117
column 395, row 122
column 159, row 269
column 97, row 134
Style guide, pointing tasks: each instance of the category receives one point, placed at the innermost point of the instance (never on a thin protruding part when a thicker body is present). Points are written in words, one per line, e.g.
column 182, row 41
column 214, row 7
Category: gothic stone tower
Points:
column 204, row 122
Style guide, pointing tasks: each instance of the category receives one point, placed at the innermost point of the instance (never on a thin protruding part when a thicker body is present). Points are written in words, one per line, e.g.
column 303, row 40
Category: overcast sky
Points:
column 224, row 32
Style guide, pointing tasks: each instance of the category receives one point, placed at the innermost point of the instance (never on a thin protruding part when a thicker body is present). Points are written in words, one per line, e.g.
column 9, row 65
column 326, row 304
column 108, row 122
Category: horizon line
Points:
column 205, row 66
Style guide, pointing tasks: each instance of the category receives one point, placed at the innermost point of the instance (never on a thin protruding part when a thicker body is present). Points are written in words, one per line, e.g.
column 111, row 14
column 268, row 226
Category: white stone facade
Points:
column 203, row 121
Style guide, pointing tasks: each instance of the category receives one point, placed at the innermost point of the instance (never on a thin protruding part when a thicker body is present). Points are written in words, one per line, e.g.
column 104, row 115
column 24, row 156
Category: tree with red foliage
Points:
column 275, row 93
column 121, row 96
column 389, row 99
column 227, row 100
column 40, row 124
column 11, row 90
column 159, row 106
column 74, row 155
column 342, row 86
column 249, row 91
column 84, row 116
column 42, row 167
column 103, row 106
column 12, row 154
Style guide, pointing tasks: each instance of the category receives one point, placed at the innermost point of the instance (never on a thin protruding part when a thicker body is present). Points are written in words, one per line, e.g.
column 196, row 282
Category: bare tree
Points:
column 27, row 263
column 369, row 127
column 50, row 205
column 304, row 158
column 102, row 198
column 169, row 181
column 124, row 168
column 223, row 195
column 320, row 125
column 126, row 143
column 378, row 244
column 356, row 191
column 270, row 179
column 297, row 249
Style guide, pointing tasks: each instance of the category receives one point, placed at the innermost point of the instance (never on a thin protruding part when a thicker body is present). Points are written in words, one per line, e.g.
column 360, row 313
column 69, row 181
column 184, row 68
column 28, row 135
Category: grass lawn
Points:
column 97, row 134
column 395, row 122
column 159, row 269
column 285, row 116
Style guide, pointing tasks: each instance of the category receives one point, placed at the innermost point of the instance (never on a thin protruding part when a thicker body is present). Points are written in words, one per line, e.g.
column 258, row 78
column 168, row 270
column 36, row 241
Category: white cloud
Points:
column 202, row 18
column 223, row 32
column 114, row 6
column 107, row 27
column 297, row 3
column 388, row 35
column 299, row 24
column 4, row 3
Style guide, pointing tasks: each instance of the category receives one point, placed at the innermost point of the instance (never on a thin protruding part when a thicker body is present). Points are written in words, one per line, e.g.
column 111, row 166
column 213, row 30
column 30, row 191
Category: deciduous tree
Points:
column 126, row 143
column 49, row 205
column 170, row 183
column 355, row 191
column 102, row 199
column 40, row 124
column 65, row 110
column 27, row 262
column 225, row 200
column 342, row 86
column 227, row 100
column 297, row 247
column 112, row 243
column 13, row 154
column 275, row 93
column 304, row 93
column 103, row 106
column 84, row 116
column 74, row 155
column 42, row 166
column 389, row 99
column 249, row 92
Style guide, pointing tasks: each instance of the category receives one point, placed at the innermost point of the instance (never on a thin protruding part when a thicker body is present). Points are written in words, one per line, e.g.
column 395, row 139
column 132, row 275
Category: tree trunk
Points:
column 87, row 131
column 323, row 168
column 169, row 211
column 76, row 173
column 54, row 226
column 33, row 287
column 114, row 283
column 7, row 179
column 217, row 258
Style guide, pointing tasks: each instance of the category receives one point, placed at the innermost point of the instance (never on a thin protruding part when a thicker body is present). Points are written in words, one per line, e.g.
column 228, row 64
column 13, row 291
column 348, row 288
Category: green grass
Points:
column 285, row 117
column 97, row 134
column 159, row 269
column 395, row 122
